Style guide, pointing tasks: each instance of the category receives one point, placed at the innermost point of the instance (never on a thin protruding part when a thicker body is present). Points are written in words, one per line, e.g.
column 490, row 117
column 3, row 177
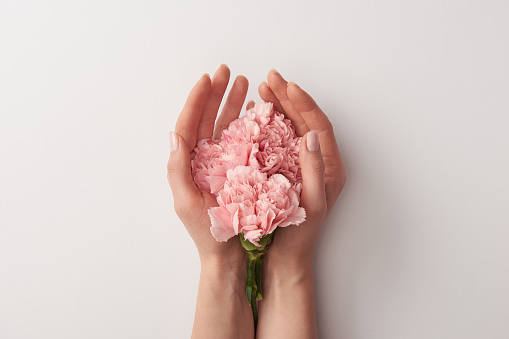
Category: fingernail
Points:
column 292, row 83
column 274, row 70
column 312, row 141
column 206, row 75
column 174, row 142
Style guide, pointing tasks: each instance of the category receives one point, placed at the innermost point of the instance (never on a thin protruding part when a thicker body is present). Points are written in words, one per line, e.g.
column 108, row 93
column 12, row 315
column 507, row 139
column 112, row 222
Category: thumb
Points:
column 179, row 169
column 313, row 197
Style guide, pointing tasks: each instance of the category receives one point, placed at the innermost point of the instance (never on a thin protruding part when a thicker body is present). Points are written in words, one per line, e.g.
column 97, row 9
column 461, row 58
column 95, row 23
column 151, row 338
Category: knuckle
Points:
column 317, row 208
column 299, row 124
column 336, row 176
column 171, row 168
column 180, row 209
column 317, row 167
column 171, row 175
column 342, row 181
column 330, row 126
column 337, row 181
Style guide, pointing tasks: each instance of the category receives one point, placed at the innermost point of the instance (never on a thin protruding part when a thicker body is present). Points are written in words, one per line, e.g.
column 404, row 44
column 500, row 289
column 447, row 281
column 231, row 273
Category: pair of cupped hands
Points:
column 323, row 173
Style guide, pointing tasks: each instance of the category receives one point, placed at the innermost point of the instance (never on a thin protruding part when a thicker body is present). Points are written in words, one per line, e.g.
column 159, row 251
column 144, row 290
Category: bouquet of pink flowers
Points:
column 254, row 172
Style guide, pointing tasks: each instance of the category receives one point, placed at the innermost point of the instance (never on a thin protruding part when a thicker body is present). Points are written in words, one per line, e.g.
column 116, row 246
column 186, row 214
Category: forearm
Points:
column 288, row 305
column 222, row 310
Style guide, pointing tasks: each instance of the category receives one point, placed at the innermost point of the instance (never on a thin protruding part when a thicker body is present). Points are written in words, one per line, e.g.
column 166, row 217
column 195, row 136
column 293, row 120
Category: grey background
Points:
column 418, row 94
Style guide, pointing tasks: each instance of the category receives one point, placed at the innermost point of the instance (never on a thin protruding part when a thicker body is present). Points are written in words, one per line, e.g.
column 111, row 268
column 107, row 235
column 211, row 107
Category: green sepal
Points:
column 256, row 252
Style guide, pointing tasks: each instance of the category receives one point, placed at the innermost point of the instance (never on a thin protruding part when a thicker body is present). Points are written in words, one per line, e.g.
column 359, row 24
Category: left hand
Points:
column 196, row 122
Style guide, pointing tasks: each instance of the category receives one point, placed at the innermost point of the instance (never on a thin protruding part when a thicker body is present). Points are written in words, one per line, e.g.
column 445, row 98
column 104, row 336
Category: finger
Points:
column 268, row 96
column 278, row 85
column 314, row 117
column 232, row 106
column 187, row 122
column 317, row 120
column 250, row 105
column 313, row 197
column 218, row 87
column 179, row 170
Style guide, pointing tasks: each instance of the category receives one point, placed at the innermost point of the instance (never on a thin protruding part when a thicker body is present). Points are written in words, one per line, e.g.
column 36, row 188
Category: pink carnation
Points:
column 262, row 139
column 212, row 160
column 254, row 204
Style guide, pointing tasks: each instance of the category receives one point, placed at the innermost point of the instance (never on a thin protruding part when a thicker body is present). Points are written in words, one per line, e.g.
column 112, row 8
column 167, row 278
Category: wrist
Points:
column 285, row 272
column 222, row 297
column 222, row 273
column 289, row 308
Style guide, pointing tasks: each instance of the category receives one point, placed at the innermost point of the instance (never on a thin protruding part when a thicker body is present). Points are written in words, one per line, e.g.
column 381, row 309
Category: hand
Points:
column 288, row 307
column 221, row 295
column 196, row 122
column 323, row 172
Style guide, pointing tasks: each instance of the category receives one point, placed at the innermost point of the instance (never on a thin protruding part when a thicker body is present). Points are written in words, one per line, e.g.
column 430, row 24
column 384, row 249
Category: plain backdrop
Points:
column 417, row 91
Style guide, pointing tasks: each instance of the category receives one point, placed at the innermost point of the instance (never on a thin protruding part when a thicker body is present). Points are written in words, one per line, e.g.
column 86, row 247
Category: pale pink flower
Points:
column 254, row 204
column 212, row 160
column 262, row 139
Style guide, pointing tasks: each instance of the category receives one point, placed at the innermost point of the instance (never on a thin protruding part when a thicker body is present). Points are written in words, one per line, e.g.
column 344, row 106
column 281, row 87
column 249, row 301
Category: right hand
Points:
column 323, row 172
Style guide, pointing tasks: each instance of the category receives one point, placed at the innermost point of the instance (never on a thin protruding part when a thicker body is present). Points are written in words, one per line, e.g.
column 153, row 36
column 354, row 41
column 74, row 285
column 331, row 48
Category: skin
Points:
column 288, row 306
column 223, row 274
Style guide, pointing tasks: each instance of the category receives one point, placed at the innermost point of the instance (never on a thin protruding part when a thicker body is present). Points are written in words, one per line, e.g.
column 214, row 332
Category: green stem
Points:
column 251, row 284
column 255, row 313
column 251, row 289
column 254, row 272
column 259, row 279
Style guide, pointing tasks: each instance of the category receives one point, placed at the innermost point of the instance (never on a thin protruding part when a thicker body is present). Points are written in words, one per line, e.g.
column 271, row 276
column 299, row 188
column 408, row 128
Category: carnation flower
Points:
column 254, row 172
column 262, row 139
column 255, row 205
column 212, row 160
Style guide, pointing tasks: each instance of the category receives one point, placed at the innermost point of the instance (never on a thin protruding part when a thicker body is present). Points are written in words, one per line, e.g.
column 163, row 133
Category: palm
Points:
column 197, row 122
column 305, row 115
